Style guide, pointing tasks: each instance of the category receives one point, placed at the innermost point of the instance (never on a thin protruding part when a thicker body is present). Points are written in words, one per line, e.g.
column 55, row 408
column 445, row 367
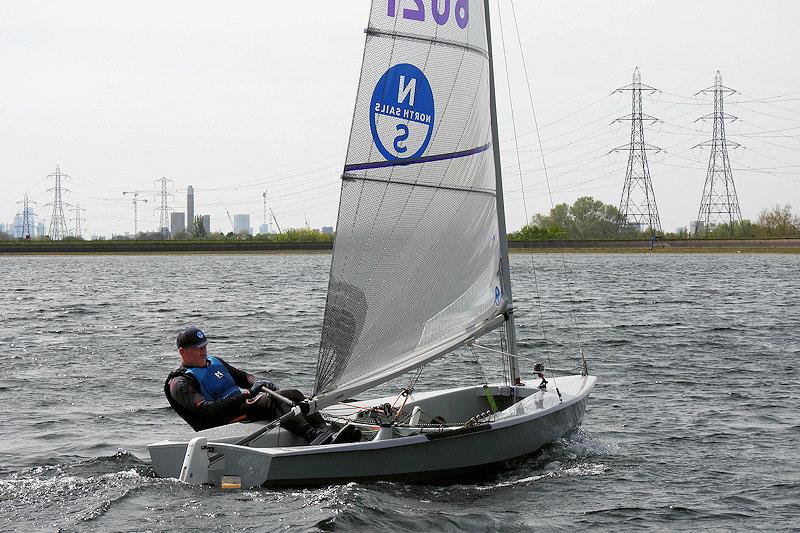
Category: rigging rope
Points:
column 406, row 393
column 519, row 170
column 549, row 192
column 518, row 356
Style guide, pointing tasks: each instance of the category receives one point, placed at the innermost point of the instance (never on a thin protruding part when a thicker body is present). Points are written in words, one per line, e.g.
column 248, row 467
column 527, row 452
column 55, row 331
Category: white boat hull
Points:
column 429, row 454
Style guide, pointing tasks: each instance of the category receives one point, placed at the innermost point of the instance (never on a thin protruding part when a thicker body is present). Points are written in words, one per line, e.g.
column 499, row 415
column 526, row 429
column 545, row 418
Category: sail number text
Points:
column 440, row 10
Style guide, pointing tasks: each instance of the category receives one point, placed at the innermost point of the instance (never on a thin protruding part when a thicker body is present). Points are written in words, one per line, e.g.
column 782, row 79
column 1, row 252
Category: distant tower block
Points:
column 638, row 202
column 190, row 208
column 176, row 224
column 719, row 204
column 58, row 224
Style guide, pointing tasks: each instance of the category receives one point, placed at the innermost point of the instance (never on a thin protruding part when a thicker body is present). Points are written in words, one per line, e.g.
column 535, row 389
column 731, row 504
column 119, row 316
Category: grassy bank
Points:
column 661, row 246
column 160, row 247
column 643, row 250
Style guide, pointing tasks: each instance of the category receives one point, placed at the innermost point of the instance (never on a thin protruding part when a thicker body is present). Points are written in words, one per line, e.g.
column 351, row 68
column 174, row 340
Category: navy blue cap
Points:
column 192, row 337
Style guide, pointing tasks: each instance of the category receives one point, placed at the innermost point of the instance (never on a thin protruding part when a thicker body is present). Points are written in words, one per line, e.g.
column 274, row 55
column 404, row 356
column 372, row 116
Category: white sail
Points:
column 416, row 263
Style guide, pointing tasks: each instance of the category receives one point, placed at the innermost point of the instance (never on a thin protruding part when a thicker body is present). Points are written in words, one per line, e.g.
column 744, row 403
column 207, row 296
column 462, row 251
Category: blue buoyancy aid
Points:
column 216, row 383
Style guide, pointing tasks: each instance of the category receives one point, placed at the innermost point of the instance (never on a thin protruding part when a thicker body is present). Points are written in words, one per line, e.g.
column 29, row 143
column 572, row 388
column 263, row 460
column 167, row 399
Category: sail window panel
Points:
column 440, row 326
column 408, row 12
column 459, row 81
column 403, row 256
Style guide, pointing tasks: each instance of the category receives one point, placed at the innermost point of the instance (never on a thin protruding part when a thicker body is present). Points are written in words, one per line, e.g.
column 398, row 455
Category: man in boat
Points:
column 208, row 392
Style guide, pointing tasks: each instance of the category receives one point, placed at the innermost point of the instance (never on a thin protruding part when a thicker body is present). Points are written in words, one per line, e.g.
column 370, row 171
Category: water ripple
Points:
column 694, row 420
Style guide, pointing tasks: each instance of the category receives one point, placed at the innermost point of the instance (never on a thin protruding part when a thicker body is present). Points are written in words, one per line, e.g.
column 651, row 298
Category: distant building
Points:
column 190, row 207
column 177, row 223
column 40, row 229
column 697, row 227
column 263, row 229
column 327, row 229
column 207, row 223
column 241, row 224
column 17, row 230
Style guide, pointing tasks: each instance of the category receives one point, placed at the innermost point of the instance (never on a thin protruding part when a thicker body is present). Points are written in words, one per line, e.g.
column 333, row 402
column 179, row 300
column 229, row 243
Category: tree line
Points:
column 590, row 219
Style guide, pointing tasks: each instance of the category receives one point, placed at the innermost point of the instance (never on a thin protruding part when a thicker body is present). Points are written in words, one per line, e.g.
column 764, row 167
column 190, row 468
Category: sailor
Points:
column 208, row 392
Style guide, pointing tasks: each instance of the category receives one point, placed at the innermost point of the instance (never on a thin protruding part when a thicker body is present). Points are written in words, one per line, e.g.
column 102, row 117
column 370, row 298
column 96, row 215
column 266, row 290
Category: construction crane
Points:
column 274, row 220
column 233, row 227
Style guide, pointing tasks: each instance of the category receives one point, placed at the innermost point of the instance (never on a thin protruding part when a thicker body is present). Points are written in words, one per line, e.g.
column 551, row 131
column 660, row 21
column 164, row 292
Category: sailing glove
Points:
column 258, row 384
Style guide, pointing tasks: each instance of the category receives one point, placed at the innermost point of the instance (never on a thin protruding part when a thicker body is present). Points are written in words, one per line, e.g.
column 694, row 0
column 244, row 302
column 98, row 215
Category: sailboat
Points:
column 420, row 268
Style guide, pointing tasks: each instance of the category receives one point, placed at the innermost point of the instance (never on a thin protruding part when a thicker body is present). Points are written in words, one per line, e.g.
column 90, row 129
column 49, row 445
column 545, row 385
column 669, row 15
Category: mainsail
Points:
column 416, row 267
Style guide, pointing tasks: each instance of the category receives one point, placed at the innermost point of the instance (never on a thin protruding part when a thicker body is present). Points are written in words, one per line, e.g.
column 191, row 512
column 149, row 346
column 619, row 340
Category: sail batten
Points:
column 416, row 37
column 414, row 184
column 418, row 160
column 416, row 264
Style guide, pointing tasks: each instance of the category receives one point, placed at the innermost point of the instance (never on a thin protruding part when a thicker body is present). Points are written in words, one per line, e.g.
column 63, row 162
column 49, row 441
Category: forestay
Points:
column 416, row 267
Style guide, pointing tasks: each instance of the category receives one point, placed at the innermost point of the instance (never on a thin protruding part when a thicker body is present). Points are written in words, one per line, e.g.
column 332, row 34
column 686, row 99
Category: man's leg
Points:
column 309, row 427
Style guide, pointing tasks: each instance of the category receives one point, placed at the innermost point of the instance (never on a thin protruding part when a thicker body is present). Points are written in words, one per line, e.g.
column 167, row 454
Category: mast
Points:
column 505, row 278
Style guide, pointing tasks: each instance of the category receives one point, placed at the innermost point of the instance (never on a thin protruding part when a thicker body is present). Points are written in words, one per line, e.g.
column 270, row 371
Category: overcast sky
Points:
column 238, row 98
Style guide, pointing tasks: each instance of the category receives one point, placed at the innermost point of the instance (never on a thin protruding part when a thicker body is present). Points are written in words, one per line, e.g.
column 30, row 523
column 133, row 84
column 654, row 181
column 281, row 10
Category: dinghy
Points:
column 419, row 269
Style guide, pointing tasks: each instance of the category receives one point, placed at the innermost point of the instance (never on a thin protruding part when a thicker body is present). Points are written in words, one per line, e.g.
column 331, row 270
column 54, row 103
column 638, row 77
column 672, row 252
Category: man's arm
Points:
column 216, row 413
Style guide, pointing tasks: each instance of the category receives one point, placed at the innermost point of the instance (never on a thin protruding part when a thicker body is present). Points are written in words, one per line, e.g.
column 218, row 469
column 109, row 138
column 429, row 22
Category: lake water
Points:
column 694, row 423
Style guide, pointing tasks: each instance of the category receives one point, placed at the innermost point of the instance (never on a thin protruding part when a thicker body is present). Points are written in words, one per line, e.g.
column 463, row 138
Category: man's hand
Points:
column 259, row 384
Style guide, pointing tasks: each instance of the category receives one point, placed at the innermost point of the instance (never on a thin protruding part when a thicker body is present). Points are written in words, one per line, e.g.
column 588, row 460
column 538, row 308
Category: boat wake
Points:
column 575, row 455
column 72, row 493
column 580, row 444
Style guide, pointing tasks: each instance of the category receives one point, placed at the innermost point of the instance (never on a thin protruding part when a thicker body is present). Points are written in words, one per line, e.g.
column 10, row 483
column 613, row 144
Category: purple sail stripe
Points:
column 417, row 160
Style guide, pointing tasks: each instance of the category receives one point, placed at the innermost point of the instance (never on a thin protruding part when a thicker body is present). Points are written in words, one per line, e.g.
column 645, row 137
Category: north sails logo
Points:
column 402, row 113
column 219, row 374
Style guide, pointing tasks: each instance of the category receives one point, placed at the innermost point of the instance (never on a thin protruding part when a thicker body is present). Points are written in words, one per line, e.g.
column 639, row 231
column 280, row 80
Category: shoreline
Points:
column 781, row 246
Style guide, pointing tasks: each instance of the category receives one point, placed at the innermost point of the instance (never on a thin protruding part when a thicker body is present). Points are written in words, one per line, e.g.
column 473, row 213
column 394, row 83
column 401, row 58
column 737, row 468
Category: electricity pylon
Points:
column 78, row 228
column 26, row 229
column 58, row 224
column 638, row 201
column 163, row 226
column 136, row 201
column 719, row 204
